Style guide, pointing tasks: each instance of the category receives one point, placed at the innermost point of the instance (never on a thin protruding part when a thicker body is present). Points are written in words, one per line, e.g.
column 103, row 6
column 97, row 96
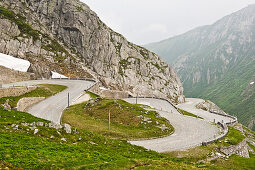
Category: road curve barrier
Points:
column 225, row 132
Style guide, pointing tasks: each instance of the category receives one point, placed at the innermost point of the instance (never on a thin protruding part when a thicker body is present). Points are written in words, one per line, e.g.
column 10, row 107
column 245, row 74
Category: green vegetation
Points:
column 6, row 165
column 21, row 22
column 43, row 90
column 194, row 155
column 233, row 137
column 123, row 66
column 188, row 113
column 83, row 150
column 79, row 9
column 222, row 73
column 93, row 95
column 234, row 162
column 126, row 119
column 145, row 54
column 124, row 63
column 161, row 68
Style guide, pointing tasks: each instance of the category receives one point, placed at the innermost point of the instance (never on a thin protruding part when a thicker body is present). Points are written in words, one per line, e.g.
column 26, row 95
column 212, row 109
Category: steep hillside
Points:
column 217, row 62
column 67, row 37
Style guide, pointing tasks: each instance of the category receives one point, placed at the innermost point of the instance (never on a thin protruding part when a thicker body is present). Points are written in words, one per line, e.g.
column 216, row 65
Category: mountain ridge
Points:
column 69, row 38
column 216, row 62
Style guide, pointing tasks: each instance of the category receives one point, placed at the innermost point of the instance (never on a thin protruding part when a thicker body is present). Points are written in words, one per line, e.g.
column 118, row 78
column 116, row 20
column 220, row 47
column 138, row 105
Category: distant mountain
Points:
column 217, row 62
column 67, row 37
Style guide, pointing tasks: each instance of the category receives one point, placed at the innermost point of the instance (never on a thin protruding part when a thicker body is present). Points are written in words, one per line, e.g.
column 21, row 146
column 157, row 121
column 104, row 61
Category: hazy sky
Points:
column 146, row 21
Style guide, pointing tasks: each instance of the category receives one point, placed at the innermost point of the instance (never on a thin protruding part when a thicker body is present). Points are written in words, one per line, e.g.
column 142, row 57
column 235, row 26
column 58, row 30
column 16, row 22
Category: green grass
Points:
column 125, row 123
column 233, row 137
column 93, row 95
column 188, row 113
column 7, row 165
column 251, row 146
column 234, row 162
column 43, row 90
column 21, row 148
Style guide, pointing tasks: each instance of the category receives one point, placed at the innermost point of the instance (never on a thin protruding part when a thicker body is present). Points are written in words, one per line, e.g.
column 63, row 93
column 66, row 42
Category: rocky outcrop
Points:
column 240, row 149
column 24, row 103
column 210, row 106
column 67, row 37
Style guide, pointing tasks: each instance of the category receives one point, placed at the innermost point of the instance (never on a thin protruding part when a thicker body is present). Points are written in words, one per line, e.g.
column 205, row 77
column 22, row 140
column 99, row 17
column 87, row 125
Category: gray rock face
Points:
column 72, row 40
column 210, row 106
column 241, row 149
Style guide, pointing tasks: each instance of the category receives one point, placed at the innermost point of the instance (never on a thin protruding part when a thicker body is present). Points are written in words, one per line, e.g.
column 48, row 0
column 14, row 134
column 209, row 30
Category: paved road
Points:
column 52, row 108
column 189, row 131
column 190, row 104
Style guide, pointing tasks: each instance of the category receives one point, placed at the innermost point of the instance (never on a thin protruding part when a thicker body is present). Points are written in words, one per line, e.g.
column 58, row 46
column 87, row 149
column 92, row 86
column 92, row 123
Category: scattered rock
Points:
column 63, row 139
column 24, row 124
column 36, row 131
column 32, row 124
column 55, row 125
column 67, row 128
column 163, row 127
column 240, row 149
column 93, row 143
column 39, row 124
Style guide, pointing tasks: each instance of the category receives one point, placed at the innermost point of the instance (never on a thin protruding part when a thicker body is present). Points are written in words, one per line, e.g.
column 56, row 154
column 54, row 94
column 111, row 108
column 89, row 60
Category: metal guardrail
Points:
column 85, row 79
column 225, row 132
column 156, row 98
column 228, row 123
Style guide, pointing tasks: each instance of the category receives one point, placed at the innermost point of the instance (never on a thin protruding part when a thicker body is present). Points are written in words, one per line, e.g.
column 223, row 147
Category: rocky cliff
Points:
column 216, row 62
column 67, row 37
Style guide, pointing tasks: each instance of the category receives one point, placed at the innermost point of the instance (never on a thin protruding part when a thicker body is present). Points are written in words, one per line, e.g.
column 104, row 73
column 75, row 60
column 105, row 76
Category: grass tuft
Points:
column 188, row 113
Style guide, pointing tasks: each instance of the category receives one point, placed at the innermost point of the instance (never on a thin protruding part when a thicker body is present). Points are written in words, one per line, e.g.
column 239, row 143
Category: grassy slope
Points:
column 23, row 149
column 125, row 123
column 85, row 150
column 188, row 113
column 43, row 90
column 202, row 152
column 228, row 93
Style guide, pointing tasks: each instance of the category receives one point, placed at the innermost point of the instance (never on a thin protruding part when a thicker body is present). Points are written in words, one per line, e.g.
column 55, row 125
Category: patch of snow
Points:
column 102, row 88
column 14, row 63
column 252, row 83
column 57, row 75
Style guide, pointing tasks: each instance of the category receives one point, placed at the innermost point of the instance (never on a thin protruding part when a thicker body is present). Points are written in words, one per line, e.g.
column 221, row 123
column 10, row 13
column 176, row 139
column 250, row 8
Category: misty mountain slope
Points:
column 67, row 37
column 217, row 62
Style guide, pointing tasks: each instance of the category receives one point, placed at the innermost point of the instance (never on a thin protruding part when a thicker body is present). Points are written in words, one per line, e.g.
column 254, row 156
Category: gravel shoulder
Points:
column 52, row 108
column 189, row 131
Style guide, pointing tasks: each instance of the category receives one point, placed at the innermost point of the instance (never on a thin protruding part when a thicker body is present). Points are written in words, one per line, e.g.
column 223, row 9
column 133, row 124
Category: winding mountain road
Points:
column 189, row 131
column 190, row 106
column 52, row 108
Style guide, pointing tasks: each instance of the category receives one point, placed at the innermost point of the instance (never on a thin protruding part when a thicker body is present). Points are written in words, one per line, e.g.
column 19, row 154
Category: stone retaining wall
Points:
column 24, row 103
column 15, row 91
column 9, row 76
column 114, row 94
